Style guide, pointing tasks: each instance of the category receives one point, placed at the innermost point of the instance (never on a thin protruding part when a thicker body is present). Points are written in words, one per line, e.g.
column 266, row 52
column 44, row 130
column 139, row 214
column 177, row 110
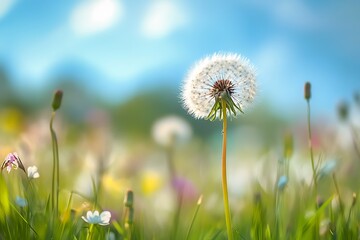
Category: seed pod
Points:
column 343, row 111
column 56, row 103
column 307, row 90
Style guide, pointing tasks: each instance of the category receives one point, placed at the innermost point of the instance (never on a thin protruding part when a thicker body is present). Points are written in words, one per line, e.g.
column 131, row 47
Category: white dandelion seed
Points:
column 220, row 76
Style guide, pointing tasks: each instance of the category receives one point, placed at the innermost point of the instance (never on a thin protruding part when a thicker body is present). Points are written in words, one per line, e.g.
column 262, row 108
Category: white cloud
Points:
column 298, row 14
column 93, row 16
column 5, row 6
column 293, row 13
column 162, row 18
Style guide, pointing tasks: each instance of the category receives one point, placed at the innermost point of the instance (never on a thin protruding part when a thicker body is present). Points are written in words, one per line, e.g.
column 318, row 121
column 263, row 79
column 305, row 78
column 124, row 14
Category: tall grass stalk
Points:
column 194, row 217
column 56, row 103
column 55, row 171
column 311, row 147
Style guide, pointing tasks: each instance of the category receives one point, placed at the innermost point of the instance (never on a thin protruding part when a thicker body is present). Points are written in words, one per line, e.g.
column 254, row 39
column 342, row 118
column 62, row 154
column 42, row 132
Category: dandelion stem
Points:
column 224, row 178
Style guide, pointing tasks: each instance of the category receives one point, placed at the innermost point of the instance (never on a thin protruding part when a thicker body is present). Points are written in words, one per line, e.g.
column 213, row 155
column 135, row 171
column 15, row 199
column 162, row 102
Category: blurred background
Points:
column 121, row 66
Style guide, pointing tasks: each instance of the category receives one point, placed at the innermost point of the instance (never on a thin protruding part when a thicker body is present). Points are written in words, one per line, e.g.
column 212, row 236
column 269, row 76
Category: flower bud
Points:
column 354, row 198
column 343, row 111
column 56, row 103
column 307, row 90
column 129, row 199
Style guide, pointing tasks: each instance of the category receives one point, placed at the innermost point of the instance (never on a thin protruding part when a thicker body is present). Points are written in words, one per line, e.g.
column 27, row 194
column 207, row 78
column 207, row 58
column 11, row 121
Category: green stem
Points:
column 224, row 178
column 311, row 148
column 89, row 233
column 194, row 217
column 55, row 172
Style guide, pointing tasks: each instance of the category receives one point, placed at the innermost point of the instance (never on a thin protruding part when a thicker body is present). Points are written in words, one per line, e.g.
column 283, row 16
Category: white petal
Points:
column 36, row 175
column 89, row 215
column 83, row 218
column 105, row 218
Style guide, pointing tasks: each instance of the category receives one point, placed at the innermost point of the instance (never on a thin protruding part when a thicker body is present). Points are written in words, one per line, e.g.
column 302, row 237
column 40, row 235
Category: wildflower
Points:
column 12, row 161
column 184, row 188
column 21, row 202
column 171, row 129
column 282, row 182
column 228, row 77
column 33, row 172
column 327, row 169
column 94, row 218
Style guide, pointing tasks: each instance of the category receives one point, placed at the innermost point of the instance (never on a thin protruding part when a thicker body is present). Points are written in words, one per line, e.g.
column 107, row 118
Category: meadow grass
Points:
column 323, row 206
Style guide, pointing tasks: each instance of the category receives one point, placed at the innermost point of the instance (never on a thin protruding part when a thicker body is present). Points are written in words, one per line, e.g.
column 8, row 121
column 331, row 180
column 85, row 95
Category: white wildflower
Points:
column 32, row 172
column 94, row 218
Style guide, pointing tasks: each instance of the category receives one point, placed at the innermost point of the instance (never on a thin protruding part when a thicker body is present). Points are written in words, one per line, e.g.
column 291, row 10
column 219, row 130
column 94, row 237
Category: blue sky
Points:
column 119, row 47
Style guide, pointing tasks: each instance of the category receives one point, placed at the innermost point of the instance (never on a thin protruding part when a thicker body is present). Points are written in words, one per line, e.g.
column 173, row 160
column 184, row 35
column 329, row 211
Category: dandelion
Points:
column 33, row 172
column 21, row 202
column 12, row 161
column 228, row 77
column 171, row 129
column 96, row 218
column 217, row 86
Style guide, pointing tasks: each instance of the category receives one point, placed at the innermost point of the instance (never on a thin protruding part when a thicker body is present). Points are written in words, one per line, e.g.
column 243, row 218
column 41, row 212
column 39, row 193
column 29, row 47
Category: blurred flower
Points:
column 12, row 161
column 170, row 130
column 282, row 182
column 151, row 181
column 21, row 202
column 114, row 185
column 11, row 120
column 33, row 172
column 229, row 77
column 327, row 168
column 94, row 218
column 185, row 188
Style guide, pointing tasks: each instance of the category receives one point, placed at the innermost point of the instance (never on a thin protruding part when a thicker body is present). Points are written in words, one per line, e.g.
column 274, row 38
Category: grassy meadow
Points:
column 161, row 183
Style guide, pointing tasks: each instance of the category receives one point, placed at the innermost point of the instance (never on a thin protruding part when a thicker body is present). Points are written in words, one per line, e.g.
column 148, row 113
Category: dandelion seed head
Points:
column 170, row 130
column 214, row 76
